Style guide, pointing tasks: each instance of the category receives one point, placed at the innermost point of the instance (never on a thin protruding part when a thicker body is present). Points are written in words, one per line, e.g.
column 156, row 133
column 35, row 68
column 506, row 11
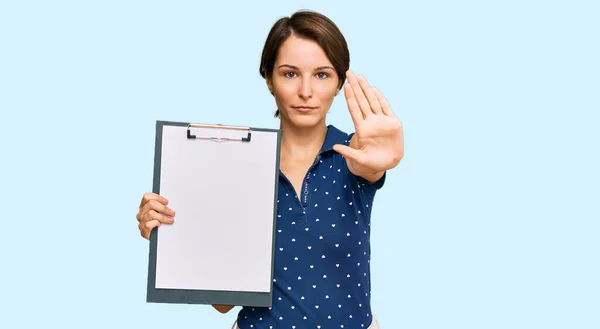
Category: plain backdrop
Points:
column 490, row 221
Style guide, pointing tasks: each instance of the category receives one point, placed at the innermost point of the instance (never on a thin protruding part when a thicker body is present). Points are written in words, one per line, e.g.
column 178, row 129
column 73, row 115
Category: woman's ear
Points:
column 270, row 86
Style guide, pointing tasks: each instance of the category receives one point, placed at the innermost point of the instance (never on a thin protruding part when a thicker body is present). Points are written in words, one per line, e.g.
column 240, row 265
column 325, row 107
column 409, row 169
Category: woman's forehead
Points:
column 302, row 53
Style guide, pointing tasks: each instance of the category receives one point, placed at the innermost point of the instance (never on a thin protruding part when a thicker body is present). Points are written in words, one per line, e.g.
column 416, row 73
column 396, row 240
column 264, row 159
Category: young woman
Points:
column 327, row 181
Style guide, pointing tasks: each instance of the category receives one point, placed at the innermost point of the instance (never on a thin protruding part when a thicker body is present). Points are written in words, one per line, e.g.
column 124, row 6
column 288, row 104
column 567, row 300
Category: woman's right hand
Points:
column 153, row 212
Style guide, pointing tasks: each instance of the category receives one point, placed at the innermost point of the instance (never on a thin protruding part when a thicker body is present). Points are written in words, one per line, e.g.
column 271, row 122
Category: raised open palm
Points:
column 378, row 142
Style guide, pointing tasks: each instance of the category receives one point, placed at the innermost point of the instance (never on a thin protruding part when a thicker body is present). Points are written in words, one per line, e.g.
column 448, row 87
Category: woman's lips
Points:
column 303, row 108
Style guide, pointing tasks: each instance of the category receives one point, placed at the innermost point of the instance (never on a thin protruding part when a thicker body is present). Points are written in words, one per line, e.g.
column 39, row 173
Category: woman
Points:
column 327, row 181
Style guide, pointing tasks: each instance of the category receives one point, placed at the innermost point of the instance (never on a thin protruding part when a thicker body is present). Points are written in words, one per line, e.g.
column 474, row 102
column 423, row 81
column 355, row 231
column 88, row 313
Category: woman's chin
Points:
column 304, row 120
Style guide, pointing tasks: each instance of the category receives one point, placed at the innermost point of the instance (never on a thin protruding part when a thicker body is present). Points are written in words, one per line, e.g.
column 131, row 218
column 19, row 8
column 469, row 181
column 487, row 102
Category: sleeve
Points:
column 375, row 185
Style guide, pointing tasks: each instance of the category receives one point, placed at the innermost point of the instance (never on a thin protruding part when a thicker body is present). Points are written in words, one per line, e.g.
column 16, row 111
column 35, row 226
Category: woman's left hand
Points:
column 378, row 142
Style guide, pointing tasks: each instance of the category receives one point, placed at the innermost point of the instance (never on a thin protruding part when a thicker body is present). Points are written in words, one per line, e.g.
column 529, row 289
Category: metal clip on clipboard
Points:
column 218, row 126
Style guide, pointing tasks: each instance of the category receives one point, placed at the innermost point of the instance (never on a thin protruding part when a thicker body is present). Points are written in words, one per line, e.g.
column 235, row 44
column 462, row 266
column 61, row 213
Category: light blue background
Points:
column 490, row 221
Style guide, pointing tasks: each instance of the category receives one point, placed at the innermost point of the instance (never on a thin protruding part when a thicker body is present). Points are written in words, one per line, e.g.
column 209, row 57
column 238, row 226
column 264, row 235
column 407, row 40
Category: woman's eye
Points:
column 289, row 74
column 322, row 75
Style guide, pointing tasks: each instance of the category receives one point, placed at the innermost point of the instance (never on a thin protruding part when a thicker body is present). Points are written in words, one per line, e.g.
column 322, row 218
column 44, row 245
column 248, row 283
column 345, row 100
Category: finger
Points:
column 153, row 196
column 353, row 107
column 153, row 215
column 157, row 206
column 151, row 224
column 369, row 94
column 150, row 214
column 147, row 227
column 359, row 95
column 348, row 152
column 385, row 106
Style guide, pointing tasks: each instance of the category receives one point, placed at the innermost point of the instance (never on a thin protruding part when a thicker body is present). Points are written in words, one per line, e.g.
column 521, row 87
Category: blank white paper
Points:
column 223, row 193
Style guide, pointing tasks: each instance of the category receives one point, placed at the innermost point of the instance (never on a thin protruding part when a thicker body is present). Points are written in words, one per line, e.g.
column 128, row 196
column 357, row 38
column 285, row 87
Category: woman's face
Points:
column 304, row 82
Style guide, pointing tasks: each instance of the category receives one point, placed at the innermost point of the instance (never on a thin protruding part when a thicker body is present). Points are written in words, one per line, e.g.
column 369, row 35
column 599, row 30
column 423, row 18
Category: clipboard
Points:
column 222, row 183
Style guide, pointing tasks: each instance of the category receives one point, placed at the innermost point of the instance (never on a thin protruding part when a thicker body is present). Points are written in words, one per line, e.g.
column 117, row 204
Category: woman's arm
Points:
column 223, row 308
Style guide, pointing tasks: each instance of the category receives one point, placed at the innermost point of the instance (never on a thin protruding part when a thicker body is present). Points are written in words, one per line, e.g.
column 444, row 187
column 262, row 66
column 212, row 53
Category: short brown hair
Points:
column 310, row 25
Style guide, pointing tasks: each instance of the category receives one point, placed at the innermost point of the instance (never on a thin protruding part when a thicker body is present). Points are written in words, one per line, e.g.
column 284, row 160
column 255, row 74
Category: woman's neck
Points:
column 301, row 143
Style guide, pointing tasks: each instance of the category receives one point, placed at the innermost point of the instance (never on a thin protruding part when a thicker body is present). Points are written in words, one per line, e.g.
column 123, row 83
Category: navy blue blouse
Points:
column 321, row 276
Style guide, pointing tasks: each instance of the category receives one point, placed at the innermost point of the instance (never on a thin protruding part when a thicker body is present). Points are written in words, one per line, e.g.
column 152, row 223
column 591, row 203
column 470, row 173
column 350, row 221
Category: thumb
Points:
column 348, row 152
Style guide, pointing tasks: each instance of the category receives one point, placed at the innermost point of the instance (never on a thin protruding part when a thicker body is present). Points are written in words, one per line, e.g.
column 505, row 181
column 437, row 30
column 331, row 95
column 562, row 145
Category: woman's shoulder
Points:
column 334, row 136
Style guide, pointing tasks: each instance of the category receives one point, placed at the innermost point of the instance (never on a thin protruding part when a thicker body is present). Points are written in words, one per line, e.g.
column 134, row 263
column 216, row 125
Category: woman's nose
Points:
column 305, row 89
